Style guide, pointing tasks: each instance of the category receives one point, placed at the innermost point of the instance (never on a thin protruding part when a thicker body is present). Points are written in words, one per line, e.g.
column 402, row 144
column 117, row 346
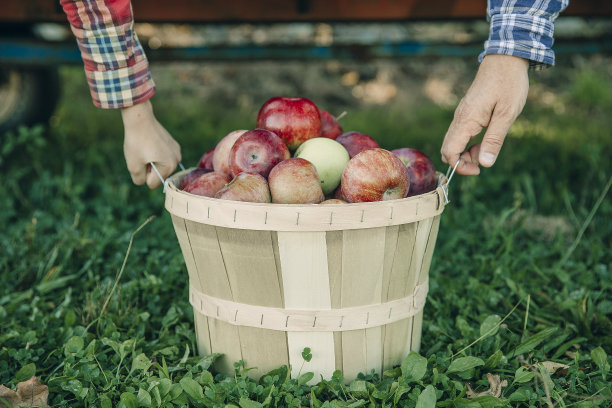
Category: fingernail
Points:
column 487, row 159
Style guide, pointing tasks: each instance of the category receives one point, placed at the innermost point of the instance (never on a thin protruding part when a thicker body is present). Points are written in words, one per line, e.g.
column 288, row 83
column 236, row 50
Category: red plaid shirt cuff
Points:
column 121, row 87
column 116, row 67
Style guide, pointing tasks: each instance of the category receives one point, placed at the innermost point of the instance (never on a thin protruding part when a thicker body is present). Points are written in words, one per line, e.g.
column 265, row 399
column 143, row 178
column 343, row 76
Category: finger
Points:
column 135, row 165
column 138, row 174
column 500, row 123
column 474, row 154
column 164, row 169
column 465, row 126
column 153, row 180
column 468, row 166
column 159, row 174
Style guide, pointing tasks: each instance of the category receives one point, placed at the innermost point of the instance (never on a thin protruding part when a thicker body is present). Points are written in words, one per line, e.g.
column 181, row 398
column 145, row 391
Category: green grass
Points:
column 528, row 241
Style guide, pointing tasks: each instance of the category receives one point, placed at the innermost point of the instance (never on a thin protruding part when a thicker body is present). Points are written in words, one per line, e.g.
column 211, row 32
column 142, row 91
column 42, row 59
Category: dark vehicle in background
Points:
column 35, row 41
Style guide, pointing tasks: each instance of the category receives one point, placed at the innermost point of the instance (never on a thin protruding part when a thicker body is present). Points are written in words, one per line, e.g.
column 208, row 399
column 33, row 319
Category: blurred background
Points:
column 401, row 99
column 403, row 70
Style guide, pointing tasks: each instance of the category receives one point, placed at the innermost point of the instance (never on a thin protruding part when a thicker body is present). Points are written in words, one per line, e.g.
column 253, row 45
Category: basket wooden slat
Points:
column 251, row 269
column 304, row 266
column 200, row 321
column 362, row 266
column 396, row 334
column 210, row 268
column 391, row 241
column 334, row 265
column 417, row 320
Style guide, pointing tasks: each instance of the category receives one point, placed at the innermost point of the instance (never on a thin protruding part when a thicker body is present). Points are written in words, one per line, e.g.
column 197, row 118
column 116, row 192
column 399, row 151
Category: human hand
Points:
column 494, row 100
column 147, row 141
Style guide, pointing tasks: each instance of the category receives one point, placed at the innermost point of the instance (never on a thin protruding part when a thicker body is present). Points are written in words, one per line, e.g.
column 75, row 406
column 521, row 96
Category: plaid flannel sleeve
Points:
column 116, row 67
column 523, row 28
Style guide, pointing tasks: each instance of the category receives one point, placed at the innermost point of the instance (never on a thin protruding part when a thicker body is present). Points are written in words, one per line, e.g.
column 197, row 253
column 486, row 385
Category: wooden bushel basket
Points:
column 348, row 281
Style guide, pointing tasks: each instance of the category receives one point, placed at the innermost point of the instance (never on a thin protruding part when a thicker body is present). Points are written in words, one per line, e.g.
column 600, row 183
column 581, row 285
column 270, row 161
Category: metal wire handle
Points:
column 449, row 175
column 160, row 176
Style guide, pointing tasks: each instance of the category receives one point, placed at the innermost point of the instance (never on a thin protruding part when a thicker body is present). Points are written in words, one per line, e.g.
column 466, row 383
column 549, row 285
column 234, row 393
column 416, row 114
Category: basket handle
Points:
column 160, row 176
column 449, row 175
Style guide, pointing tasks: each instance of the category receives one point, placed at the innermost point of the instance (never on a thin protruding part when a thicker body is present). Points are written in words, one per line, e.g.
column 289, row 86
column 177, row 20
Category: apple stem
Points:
column 340, row 116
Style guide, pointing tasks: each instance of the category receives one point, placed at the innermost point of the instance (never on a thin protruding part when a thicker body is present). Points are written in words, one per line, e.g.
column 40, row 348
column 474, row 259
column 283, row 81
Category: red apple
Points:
column 421, row 169
column 192, row 175
column 294, row 120
column 338, row 194
column 374, row 175
column 208, row 184
column 330, row 127
column 221, row 157
column 257, row 151
column 295, row 181
column 250, row 187
column 334, row 201
column 356, row 142
column 206, row 161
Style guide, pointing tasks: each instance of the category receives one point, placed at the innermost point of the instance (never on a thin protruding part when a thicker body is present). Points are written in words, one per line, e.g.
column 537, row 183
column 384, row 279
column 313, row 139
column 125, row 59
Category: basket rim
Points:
column 302, row 217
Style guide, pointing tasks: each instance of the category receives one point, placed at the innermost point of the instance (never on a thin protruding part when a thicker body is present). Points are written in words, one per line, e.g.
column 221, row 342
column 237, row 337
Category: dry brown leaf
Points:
column 552, row 367
column 8, row 395
column 495, row 387
column 30, row 393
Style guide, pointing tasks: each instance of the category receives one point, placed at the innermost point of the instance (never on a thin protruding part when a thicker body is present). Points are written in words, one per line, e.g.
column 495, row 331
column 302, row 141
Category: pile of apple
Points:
column 299, row 154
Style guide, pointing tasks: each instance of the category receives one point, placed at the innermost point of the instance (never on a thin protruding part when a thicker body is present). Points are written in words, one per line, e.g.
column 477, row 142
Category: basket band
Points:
column 302, row 217
column 350, row 318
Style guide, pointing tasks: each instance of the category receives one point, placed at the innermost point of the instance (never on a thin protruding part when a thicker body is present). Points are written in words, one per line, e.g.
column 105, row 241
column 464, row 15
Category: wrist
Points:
column 136, row 114
column 504, row 61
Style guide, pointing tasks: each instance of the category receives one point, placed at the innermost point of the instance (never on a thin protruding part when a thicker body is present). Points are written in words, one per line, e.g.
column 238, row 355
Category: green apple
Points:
column 329, row 158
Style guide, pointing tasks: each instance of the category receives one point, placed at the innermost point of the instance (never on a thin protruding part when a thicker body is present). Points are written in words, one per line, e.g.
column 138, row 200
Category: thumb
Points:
column 494, row 137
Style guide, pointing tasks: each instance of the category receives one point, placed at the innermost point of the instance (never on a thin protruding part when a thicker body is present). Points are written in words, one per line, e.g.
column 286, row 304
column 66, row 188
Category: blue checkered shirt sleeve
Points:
column 523, row 29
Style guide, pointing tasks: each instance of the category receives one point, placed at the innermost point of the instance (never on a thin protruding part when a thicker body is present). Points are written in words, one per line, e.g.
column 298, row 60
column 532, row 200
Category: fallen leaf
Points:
column 30, row 393
column 552, row 367
column 570, row 354
column 495, row 387
column 7, row 395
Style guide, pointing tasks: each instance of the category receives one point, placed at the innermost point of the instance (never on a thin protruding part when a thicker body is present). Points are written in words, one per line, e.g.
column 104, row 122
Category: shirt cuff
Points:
column 116, row 66
column 120, row 88
column 522, row 35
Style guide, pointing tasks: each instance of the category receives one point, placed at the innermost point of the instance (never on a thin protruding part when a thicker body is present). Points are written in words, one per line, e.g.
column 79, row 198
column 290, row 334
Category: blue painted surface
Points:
column 38, row 53
column 22, row 52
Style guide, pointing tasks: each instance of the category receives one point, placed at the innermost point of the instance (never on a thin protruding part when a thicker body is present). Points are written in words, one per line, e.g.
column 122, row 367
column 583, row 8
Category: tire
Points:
column 27, row 96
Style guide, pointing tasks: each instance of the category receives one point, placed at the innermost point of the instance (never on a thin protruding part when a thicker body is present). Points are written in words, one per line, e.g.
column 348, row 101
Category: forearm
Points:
column 116, row 67
column 137, row 115
column 524, row 29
